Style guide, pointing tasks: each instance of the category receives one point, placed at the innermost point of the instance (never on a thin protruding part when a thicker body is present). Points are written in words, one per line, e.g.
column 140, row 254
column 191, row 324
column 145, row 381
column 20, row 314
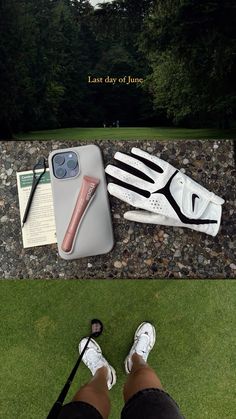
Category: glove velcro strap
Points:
column 192, row 198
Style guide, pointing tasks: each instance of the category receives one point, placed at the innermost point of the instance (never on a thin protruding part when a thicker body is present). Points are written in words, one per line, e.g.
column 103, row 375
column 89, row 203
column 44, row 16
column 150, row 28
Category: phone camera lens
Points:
column 59, row 159
column 71, row 164
column 60, row 172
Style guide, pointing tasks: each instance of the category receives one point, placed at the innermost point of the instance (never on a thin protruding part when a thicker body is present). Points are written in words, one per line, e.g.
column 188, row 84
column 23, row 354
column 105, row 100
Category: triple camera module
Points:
column 65, row 165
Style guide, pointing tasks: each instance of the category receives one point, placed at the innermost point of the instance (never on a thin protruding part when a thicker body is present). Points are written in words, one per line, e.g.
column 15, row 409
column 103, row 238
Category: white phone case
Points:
column 95, row 233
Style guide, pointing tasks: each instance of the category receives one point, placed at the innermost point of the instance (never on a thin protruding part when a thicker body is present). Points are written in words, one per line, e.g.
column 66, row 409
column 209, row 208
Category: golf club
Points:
column 96, row 330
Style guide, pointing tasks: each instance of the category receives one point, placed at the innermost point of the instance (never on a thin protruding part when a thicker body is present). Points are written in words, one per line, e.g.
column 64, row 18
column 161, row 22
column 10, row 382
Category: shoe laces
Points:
column 93, row 359
column 142, row 344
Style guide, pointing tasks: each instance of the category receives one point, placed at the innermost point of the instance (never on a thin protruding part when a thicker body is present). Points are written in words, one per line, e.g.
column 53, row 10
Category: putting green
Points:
column 43, row 321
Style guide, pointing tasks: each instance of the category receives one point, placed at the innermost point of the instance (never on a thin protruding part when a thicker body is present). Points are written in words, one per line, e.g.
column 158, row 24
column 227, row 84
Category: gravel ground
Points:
column 141, row 251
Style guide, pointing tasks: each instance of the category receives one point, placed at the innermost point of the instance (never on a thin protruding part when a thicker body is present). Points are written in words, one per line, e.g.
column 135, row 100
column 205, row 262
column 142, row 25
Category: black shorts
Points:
column 151, row 404
column 146, row 404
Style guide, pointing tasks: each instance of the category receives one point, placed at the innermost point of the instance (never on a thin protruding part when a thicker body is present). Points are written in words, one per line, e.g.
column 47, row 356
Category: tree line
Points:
column 184, row 50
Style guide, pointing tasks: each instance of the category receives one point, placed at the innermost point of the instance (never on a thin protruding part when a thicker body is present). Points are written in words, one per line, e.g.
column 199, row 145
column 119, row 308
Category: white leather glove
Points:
column 167, row 196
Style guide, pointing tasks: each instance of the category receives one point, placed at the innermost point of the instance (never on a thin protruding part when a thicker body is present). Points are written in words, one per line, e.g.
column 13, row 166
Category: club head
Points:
column 97, row 328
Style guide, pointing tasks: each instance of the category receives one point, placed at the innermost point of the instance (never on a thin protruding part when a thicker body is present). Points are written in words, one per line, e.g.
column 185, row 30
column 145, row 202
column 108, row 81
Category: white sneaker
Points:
column 94, row 360
column 144, row 339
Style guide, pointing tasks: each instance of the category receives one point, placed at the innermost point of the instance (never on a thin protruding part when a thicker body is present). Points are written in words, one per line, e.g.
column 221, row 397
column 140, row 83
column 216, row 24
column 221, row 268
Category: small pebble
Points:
column 7, row 165
column 131, row 230
column 154, row 267
column 148, row 262
column 118, row 264
column 177, row 254
column 9, row 172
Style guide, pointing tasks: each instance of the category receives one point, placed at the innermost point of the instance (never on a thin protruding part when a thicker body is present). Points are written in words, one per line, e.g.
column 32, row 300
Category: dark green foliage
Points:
column 48, row 49
column 10, row 66
column 192, row 49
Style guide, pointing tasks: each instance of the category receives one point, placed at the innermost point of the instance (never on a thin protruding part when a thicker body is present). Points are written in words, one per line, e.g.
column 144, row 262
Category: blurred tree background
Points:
column 185, row 50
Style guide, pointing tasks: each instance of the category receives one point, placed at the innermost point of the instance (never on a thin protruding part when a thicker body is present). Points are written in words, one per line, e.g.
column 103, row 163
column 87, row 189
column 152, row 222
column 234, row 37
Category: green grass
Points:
column 128, row 134
column 43, row 321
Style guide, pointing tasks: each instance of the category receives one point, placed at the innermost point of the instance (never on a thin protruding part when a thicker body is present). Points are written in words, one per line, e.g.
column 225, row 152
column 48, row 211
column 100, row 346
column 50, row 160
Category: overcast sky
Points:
column 94, row 2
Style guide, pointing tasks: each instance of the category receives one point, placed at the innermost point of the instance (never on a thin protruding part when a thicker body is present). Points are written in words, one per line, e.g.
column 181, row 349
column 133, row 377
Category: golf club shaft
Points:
column 56, row 408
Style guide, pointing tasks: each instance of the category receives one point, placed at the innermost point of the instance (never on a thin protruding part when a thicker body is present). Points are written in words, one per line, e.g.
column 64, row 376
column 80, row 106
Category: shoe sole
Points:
column 135, row 335
column 113, row 377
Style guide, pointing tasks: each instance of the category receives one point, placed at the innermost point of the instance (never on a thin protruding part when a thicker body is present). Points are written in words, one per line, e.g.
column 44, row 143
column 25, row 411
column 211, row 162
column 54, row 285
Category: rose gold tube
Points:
column 87, row 191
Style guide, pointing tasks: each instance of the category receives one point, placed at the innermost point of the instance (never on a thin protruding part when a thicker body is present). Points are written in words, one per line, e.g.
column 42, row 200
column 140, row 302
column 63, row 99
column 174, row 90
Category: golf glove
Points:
column 165, row 194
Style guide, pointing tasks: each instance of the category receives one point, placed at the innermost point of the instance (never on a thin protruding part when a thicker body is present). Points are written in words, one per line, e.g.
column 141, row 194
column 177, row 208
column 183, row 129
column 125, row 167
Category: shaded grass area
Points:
column 158, row 133
column 43, row 321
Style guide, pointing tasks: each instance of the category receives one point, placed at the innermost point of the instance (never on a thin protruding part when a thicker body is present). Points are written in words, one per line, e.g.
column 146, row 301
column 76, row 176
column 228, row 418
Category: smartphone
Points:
column 80, row 200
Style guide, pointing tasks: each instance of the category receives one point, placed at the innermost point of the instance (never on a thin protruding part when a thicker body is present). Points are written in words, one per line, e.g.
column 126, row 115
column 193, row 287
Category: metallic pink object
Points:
column 87, row 191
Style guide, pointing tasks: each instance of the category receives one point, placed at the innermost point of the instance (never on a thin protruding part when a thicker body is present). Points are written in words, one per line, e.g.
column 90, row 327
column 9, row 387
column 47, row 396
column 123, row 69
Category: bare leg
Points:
column 96, row 393
column 140, row 378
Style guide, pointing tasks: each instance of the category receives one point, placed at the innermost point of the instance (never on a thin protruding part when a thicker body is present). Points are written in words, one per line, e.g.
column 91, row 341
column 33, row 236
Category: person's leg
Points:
column 140, row 375
column 143, row 393
column 92, row 400
column 96, row 392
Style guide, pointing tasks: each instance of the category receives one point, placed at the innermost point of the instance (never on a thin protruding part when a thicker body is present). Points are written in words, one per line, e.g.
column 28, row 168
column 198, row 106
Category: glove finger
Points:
column 161, row 164
column 128, row 178
column 136, row 164
column 151, row 218
column 126, row 195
